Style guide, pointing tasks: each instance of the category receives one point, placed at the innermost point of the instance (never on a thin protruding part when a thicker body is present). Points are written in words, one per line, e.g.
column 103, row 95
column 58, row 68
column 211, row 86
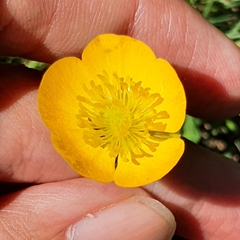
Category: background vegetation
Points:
column 221, row 136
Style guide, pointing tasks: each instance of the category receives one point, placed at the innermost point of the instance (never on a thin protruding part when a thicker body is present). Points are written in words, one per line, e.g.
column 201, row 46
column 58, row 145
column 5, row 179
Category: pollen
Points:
column 119, row 114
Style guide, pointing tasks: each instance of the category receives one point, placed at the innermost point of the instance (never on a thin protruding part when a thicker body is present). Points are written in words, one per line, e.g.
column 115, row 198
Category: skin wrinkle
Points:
column 171, row 43
column 43, row 201
column 55, row 18
column 227, row 56
column 74, row 9
column 139, row 12
column 166, row 194
column 130, row 25
column 169, row 28
column 193, row 51
column 220, row 224
column 215, row 71
column 6, row 168
column 201, row 208
column 23, row 229
column 16, row 226
column 178, row 51
column 99, row 17
column 78, row 13
column 169, row 20
column 208, row 56
column 168, row 34
column 130, row 21
column 30, row 153
column 125, row 22
column 15, row 162
column 7, row 231
column 34, row 210
column 236, row 221
column 186, row 30
column 187, row 35
column 51, row 23
column 25, row 139
column 95, row 18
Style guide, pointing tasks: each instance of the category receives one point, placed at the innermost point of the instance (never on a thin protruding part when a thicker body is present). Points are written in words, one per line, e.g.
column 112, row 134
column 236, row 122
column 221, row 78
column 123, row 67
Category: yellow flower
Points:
column 115, row 114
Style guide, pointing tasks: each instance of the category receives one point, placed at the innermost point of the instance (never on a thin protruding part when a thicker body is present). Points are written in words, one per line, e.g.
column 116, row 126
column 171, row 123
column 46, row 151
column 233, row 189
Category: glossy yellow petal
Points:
column 118, row 54
column 150, row 169
column 90, row 162
column 162, row 76
column 57, row 97
column 59, row 106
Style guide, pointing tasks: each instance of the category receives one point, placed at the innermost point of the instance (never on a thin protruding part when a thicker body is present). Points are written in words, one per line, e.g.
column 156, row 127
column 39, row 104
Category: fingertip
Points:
column 138, row 217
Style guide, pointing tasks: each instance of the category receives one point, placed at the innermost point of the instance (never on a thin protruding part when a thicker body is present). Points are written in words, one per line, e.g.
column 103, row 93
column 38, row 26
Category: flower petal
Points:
column 58, row 106
column 118, row 54
column 162, row 78
column 57, row 95
column 86, row 160
column 150, row 169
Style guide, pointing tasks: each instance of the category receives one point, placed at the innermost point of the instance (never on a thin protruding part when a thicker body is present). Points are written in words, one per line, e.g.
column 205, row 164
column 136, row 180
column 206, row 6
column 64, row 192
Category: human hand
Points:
column 202, row 190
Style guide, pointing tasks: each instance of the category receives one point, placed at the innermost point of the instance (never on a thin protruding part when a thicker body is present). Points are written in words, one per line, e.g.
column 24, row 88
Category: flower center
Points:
column 119, row 114
column 118, row 121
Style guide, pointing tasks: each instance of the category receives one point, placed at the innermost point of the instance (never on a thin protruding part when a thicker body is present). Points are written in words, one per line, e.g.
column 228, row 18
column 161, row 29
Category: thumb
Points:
column 83, row 209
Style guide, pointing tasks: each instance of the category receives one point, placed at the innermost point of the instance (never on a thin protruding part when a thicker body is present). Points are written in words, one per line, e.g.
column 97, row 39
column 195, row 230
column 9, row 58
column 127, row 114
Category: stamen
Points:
column 118, row 114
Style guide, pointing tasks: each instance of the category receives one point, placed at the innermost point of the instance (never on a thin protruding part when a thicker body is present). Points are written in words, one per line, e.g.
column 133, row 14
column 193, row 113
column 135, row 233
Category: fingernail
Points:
column 138, row 217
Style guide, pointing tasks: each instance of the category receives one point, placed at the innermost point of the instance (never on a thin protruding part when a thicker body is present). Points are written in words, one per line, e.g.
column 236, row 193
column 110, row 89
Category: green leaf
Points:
column 190, row 129
column 232, row 126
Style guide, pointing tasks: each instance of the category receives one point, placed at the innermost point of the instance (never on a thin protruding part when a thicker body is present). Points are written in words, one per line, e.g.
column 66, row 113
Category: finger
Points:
column 72, row 209
column 203, row 193
column 26, row 151
column 206, row 61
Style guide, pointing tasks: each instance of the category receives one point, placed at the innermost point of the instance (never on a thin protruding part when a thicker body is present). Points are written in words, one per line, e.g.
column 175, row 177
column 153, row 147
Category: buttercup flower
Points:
column 115, row 114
